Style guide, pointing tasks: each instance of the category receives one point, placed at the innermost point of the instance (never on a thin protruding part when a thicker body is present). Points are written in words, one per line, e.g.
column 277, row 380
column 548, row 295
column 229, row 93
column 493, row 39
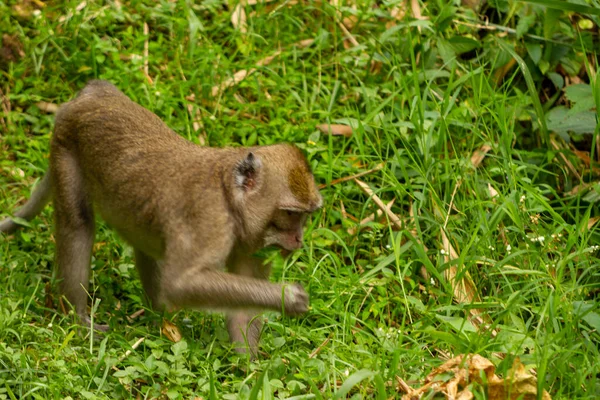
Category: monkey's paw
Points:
column 296, row 300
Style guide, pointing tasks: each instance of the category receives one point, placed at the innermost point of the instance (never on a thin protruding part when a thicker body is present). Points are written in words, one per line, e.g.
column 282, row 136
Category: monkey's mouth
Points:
column 287, row 240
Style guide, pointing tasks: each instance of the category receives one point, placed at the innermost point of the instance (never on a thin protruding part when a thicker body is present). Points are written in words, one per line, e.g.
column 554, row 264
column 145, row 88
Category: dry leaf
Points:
column 592, row 221
column 578, row 188
column 239, row 19
column 170, row 331
column 11, row 49
column 335, row 129
column 136, row 314
column 558, row 147
column 473, row 4
column 47, row 107
column 493, row 192
column 466, row 370
column 584, row 156
column 464, row 290
column 253, row 2
column 416, row 9
column 518, row 384
column 479, row 155
column 397, row 13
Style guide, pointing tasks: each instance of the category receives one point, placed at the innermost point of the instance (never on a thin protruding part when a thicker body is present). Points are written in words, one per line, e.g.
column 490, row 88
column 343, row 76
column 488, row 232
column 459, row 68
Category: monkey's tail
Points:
column 38, row 200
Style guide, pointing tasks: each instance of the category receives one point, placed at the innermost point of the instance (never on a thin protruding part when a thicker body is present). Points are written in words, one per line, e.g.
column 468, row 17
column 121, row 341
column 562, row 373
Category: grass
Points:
column 422, row 96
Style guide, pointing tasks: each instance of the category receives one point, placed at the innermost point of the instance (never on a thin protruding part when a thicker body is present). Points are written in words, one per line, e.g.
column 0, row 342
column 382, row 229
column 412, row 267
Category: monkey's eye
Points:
column 289, row 213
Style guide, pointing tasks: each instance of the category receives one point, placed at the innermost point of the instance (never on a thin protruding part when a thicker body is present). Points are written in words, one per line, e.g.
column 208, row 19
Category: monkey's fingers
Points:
column 97, row 327
column 295, row 300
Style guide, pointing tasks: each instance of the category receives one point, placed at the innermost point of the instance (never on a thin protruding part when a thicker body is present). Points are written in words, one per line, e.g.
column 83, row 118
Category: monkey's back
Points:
column 122, row 148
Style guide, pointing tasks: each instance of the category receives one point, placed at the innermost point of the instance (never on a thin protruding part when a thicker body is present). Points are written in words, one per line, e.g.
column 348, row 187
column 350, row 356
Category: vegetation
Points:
column 478, row 118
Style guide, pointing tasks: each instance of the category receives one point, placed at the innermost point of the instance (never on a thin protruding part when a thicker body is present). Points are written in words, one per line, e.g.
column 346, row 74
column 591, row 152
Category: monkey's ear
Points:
column 246, row 172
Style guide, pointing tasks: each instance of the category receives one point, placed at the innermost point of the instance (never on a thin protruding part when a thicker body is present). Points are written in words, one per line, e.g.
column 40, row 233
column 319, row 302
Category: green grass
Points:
column 422, row 96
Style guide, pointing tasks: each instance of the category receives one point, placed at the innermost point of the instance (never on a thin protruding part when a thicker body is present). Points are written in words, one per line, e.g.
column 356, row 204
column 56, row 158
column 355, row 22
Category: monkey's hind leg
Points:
column 245, row 326
column 74, row 231
column 244, row 329
column 149, row 274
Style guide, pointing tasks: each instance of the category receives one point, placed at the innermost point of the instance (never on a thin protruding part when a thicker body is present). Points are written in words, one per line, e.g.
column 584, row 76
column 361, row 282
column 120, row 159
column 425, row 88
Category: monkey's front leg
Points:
column 207, row 288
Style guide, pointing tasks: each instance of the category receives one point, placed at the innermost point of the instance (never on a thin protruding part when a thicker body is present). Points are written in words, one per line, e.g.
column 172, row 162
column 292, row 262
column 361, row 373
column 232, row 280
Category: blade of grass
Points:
column 537, row 105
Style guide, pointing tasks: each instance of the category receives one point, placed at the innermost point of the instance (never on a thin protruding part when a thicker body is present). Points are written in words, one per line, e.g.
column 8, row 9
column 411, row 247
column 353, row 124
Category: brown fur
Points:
column 188, row 211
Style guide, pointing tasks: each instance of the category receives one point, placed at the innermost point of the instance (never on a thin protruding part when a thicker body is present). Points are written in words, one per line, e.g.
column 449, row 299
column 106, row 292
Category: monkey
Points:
column 194, row 215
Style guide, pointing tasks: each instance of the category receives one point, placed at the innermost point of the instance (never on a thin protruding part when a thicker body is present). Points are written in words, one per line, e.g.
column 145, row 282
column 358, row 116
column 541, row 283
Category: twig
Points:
column 393, row 217
column 349, row 178
column 318, row 349
column 136, row 314
column 451, row 203
column 128, row 352
column 565, row 159
column 145, row 68
column 370, row 218
column 243, row 74
column 403, row 386
column 347, row 33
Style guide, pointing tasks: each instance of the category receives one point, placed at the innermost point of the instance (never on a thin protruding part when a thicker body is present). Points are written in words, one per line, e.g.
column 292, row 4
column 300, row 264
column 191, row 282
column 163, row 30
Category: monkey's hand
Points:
column 295, row 301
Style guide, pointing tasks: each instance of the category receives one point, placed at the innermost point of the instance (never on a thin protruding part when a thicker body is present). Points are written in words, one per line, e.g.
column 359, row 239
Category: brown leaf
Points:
column 397, row 13
column 11, row 50
column 479, row 155
column 493, row 192
column 464, row 290
column 47, row 107
column 592, row 221
column 466, row 372
column 518, row 384
column 239, row 19
column 584, row 156
column 335, row 129
column 171, row 331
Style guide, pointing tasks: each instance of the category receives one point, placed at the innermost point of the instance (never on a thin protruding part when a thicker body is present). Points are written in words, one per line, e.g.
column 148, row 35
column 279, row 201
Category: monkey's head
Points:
column 276, row 192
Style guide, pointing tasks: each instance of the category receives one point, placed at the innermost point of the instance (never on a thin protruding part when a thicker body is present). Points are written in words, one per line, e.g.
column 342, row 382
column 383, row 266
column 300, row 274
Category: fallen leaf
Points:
column 171, row 331
column 479, row 155
column 518, row 384
column 493, row 192
column 239, row 19
column 465, row 375
column 335, row 129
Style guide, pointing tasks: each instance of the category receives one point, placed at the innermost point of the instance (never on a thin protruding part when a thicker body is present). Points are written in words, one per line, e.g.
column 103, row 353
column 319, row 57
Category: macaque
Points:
column 190, row 212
